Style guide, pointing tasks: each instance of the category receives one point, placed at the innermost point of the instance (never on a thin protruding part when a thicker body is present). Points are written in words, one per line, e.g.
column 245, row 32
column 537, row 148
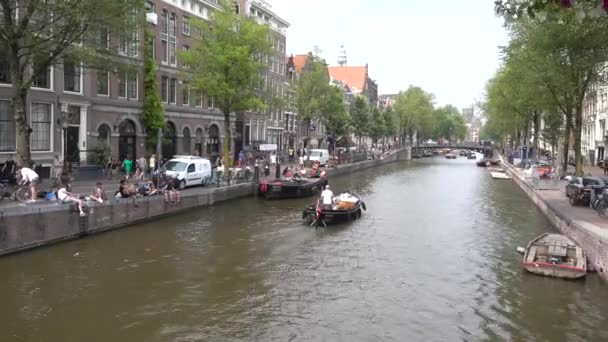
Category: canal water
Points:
column 433, row 259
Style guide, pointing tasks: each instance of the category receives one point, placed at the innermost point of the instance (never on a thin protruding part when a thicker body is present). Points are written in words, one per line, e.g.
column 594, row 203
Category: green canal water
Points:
column 433, row 259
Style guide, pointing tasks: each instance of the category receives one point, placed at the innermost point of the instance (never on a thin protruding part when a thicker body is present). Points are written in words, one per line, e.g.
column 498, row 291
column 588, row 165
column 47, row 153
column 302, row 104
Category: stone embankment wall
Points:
column 33, row 226
column 584, row 233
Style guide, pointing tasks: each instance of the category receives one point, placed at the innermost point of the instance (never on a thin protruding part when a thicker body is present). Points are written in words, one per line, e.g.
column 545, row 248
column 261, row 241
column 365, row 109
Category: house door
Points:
column 73, row 153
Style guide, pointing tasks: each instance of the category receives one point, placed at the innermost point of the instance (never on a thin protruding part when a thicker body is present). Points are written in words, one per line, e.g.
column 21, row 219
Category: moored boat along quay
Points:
column 27, row 227
column 581, row 224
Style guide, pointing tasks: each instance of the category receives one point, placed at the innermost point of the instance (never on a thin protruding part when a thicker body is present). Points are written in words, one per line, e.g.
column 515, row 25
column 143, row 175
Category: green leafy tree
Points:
column 225, row 62
column 414, row 108
column 566, row 55
column 334, row 115
column 360, row 118
column 312, row 89
column 35, row 35
column 153, row 114
column 390, row 128
column 376, row 125
column 554, row 129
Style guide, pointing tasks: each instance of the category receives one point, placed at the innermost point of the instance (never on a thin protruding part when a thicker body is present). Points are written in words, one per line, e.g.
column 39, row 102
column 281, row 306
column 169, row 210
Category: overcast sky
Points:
column 447, row 47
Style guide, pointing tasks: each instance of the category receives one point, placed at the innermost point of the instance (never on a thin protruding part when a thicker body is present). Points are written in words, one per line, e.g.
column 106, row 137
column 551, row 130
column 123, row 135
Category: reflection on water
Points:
column 433, row 259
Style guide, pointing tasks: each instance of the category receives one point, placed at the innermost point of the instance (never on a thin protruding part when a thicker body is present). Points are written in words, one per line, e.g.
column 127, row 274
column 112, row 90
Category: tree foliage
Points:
column 448, row 124
column 225, row 62
column 37, row 34
column 313, row 92
column 360, row 118
column 153, row 113
column 334, row 115
column 413, row 109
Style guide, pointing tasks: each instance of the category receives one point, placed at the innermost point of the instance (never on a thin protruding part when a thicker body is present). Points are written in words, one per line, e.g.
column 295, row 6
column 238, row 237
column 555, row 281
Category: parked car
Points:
column 188, row 170
column 578, row 190
column 319, row 155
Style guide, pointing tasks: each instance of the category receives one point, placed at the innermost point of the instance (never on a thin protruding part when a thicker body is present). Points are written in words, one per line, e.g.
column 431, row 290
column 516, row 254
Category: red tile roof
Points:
column 353, row 76
column 300, row 61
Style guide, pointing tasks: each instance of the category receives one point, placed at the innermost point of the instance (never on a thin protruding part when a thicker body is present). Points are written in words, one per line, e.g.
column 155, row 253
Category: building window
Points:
column 132, row 82
column 173, row 90
column 185, row 94
column 164, row 88
column 172, row 40
column 164, row 24
column 7, row 127
column 71, row 76
column 210, row 103
column 186, row 26
column 198, row 99
column 134, row 44
column 103, row 135
column 43, row 79
column 41, row 126
column 5, row 74
column 122, row 85
column 103, row 82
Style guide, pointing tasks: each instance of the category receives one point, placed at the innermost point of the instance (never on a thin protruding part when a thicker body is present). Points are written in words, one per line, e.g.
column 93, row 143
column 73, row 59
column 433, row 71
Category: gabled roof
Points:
column 300, row 61
column 354, row 76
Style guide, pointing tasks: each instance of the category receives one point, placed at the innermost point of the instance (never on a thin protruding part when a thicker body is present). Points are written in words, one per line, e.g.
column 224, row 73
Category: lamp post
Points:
column 64, row 122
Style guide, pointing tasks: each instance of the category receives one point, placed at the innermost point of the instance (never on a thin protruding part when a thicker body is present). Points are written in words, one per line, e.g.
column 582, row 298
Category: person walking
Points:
column 141, row 168
column 301, row 161
column 127, row 166
column 273, row 159
column 152, row 164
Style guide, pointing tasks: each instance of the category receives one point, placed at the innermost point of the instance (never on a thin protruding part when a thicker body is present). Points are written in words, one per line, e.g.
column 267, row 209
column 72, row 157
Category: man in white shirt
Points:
column 327, row 197
column 30, row 179
column 273, row 159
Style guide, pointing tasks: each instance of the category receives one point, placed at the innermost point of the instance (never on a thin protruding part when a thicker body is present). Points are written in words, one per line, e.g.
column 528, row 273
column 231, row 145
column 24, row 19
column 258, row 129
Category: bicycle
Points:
column 18, row 193
column 212, row 180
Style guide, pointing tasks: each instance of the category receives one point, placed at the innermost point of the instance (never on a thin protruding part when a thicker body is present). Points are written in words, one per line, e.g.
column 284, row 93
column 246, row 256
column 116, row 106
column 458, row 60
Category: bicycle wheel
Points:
column 22, row 194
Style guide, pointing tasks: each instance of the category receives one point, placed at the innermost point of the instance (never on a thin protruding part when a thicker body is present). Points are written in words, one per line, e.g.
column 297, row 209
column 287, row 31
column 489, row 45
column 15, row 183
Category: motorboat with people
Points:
column 293, row 187
column 555, row 255
column 344, row 207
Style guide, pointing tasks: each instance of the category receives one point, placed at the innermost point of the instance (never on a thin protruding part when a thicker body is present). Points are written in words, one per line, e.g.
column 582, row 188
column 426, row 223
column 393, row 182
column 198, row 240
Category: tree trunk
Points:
column 578, row 128
column 24, row 156
column 566, row 146
column 226, row 140
column 536, row 118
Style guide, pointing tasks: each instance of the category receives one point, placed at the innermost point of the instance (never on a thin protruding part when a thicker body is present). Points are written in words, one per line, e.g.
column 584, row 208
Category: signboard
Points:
column 268, row 147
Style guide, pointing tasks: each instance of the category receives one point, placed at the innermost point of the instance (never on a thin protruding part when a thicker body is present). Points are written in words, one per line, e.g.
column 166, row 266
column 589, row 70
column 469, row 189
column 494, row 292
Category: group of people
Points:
column 136, row 169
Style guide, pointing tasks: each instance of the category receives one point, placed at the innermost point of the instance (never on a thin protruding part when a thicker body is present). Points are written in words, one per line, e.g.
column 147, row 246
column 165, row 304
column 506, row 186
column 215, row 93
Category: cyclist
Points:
column 30, row 179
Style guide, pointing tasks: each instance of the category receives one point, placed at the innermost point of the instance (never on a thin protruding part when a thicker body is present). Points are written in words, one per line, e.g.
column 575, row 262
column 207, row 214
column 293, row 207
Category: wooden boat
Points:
column 499, row 175
column 291, row 188
column 555, row 255
column 316, row 215
column 450, row 156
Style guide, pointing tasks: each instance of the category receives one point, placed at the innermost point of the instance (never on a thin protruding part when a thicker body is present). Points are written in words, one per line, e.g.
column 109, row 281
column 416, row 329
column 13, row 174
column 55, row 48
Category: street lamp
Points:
column 64, row 122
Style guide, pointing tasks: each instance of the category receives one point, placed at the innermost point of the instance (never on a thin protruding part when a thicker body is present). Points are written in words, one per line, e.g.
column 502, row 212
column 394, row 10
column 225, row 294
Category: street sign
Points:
column 268, row 147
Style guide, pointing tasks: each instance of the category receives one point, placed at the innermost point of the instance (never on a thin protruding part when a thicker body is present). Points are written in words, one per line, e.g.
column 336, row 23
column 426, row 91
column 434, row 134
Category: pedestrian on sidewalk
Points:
column 141, row 166
column 152, row 164
column 29, row 178
column 301, row 161
column 127, row 165
column 273, row 159
column 605, row 166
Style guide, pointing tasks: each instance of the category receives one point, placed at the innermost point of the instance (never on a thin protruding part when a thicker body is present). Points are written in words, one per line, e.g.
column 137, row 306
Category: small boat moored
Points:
column 291, row 188
column 483, row 163
column 499, row 175
column 555, row 255
column 450, row 156
column 347, row 207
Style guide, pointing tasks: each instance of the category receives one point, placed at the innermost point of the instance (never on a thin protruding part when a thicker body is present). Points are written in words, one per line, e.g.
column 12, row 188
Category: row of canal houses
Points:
column 104, row 107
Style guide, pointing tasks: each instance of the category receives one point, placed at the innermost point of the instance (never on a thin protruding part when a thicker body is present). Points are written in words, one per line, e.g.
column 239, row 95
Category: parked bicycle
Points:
column 14, row 192
column 600, row 203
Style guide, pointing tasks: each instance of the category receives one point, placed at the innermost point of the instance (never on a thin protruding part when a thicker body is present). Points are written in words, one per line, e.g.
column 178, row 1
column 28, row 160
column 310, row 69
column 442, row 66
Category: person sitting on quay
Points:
column 172, row 196
column 99, row 194
column 125, row 191
column 29, row 178
column 66, row 197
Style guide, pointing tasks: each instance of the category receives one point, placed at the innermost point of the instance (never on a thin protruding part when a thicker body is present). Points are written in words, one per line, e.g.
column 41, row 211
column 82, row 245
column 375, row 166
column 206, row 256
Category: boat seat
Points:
column 558, row 250
column 531, row 254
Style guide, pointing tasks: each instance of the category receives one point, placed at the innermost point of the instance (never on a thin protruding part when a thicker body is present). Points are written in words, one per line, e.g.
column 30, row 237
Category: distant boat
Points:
column 472, row 155
column 483, row 163
column 450, row 156
column 555, row 255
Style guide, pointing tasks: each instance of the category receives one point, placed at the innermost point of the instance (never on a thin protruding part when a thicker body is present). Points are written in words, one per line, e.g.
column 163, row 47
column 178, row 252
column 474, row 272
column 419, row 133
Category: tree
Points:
column 540, row 8
column 153, row 113
column 390, row 128
column 413, row 108
column 566, row 55
column 359, row 118
column 376, row 125
column 225, row 62
column 38, row 34
column 312, row 88
column 333, row 113
column 553, row 130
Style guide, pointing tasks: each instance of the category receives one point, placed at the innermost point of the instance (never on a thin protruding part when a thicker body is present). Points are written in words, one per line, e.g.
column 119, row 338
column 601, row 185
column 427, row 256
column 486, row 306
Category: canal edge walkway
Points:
column 583, row 225
column 28, row 227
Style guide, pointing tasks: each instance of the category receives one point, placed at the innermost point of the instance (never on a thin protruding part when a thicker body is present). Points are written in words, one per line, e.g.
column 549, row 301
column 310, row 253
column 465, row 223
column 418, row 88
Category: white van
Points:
column 321, row 156
column 189, row 170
